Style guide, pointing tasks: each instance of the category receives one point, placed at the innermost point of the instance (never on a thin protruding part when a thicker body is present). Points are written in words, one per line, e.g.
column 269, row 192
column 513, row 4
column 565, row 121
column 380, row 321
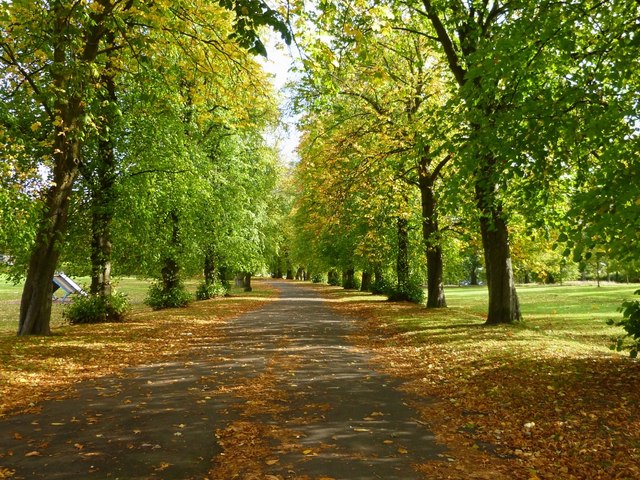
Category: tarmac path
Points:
column 283, row 396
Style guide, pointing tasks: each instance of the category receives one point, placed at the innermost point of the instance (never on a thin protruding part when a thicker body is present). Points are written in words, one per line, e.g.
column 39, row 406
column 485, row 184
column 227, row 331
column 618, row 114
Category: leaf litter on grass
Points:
column 33, row 369
column 508, row 403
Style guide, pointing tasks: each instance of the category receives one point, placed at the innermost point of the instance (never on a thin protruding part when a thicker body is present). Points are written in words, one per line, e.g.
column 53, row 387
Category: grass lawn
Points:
column 135, row 289
column 542, row 399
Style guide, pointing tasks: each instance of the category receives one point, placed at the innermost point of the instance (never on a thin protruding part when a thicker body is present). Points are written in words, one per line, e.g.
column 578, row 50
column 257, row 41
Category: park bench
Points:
column 68, row 286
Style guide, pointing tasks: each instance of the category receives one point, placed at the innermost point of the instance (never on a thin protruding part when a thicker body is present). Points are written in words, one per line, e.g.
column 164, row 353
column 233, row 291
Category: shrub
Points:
column 207, row 290
column 412, row 291
column 317, row 278
column 159, row 298
column 631, row 324
column 351, row 283
column 333, row 278
column 380, row 285
column 97, row 309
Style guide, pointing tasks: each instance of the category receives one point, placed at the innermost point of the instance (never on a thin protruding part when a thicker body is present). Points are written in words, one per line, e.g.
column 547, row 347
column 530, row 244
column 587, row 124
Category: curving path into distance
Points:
column 283, row 396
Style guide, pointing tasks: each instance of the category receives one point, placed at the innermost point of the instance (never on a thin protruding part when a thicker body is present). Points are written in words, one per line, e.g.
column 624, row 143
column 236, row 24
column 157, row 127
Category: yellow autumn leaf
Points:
column 403, row 451
column 6, row 472
column 272, row 461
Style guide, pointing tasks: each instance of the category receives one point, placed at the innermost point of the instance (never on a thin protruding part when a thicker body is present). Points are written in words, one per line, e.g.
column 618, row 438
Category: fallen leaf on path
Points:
column 272, row 461
column 35, row 453
column 163, row 466
column 6, row 472
column 403, row 451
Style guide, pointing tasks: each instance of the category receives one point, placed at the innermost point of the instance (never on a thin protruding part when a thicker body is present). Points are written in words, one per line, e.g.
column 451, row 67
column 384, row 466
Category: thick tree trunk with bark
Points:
column 365, row 285
column 378, row 280
column 473, row 273
column 104, row 196
column 35, row 306
column 247, row 282
column 170, row 271
column 430, row 230
column 348, row 278
column 101, row 217
column 504, row 306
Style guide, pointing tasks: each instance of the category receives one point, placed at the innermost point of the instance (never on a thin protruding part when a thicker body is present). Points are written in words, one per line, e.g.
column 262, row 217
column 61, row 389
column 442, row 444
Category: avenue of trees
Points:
column 446, row 138
column 442, row 142
column 132, row 140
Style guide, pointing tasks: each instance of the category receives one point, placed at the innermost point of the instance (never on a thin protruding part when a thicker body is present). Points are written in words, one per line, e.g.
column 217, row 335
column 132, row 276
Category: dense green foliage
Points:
column 160, row 297
column 631, row 323
column 207, row 290
column 132, row 140
column 97, row 308
column 520, row 117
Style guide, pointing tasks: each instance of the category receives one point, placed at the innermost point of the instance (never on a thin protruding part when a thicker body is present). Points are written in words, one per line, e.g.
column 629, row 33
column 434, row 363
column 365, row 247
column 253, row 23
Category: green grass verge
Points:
column 135, row 289
column 559, row 316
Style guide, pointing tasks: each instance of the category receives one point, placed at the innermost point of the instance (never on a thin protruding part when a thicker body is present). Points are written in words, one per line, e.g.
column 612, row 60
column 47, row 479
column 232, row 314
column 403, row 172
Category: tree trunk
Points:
column 365, row 286
column 402, row 258
column 209, row 270
column 247, row 282
column 504, row 306
column 348, row 278
column 103, row 192
column 171, row 268
column 35, row 305
column 433, row 250
column 473, row 270
column 378, row 280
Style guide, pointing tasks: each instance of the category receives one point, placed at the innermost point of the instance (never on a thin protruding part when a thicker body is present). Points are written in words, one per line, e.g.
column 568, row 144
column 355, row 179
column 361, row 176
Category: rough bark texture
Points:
column 35, row 305
column 430, row 230
column 504, row 306
column 247, row 282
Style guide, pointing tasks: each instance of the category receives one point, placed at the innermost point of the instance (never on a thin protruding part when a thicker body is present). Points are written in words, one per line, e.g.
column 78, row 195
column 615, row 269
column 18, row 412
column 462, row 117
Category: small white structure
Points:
column 68, row 286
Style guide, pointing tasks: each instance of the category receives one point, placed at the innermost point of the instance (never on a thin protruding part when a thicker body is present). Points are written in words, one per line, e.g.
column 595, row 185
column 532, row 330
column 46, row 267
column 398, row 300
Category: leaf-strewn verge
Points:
column 508, row 402
column 33, row 369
